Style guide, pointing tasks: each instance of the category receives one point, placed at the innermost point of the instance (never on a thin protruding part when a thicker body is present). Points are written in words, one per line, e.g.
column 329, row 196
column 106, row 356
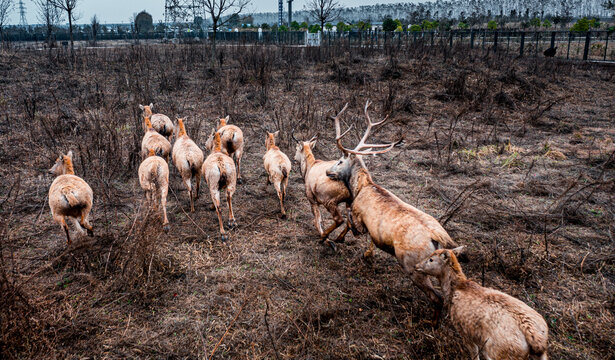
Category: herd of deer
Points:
column 492, row 324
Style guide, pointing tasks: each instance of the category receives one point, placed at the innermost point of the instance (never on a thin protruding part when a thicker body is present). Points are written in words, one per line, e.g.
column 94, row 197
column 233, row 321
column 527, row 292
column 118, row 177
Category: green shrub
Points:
column 415, row 28
column 389, row 25
column 582, row 25
column 492, row 25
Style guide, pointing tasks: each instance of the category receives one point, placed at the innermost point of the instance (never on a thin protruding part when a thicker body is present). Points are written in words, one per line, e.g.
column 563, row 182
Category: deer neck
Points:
column 68, row 167
column 359, row 179
column 182, row 130
column 451, row 280
column 307, row 162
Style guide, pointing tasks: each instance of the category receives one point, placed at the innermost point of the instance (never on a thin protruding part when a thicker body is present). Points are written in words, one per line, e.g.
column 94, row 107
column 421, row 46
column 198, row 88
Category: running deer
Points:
column 161, row 123
column 492, row 324
column 393, row 225
column 70, row 196
column 232, row 142
column 321, row 190
column 278, row 166
column 154, row 179
column 152, row 140
column 219, row 171
column 188, row 159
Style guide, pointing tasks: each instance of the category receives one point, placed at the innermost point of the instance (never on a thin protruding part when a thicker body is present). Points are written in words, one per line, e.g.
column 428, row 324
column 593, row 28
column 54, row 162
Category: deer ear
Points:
column 151, row 105
column 141, row 107
column 276, row 133
column 312, row 143
column 70, row 154
column 458, row 250
column 227, row 117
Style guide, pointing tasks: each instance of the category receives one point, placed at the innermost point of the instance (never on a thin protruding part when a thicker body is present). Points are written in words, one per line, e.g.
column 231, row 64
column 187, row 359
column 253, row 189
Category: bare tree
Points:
column 221, row 11
column 323, row 10
column 50, row 16
column 95, row 28
column 5, row 9
column 68, row 6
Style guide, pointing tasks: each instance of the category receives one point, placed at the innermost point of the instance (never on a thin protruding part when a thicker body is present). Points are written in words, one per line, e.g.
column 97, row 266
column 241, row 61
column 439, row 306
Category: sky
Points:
column 121, row 11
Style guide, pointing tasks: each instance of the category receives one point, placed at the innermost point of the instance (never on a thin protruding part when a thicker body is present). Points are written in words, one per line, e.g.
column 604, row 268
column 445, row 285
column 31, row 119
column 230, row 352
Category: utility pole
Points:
column 280, row 12
column 290, row 12
column 22, row 14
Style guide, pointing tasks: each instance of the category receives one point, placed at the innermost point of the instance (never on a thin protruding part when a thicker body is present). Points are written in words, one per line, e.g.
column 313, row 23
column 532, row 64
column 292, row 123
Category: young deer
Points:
column 154, row 179
column 188, row 159
column 278, row 166
column 161, row 123
column 321, row 190
column 70, row 196
column 152, row 140
column 219, row 172
column 492, row 324
column 394, row 226
column 232, row 142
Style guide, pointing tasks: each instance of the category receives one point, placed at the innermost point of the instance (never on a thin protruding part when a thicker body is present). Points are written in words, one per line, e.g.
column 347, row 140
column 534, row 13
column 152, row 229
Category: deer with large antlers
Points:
column 393, row 225
column 321, row 190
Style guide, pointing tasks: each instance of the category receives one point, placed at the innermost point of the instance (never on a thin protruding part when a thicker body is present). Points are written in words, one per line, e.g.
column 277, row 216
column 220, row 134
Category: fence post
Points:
column 450, row 39
column 472, row 39
column 522, row 43
column 495, row 41
column 587, row 41
column 606, row 46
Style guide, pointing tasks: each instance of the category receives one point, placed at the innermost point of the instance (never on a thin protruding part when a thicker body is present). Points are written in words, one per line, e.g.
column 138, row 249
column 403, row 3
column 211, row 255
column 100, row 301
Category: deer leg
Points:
column 198, row 183
column 281, row 197
column 62, row 221
column 84, row 220
column 284, row 186
column 337, row 217
column 189, row 187
column 163, row 204
column 238, row 155
column 215, row 197
column 232, row 223
column 369, row 253
column 317, row 218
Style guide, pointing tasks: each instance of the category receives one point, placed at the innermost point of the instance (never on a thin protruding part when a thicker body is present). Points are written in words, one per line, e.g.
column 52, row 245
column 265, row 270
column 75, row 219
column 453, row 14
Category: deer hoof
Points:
column 283, row 216
column 90, row 232
column 231, row 224
column 239, row 181
column 332, row 245
column 224, row 237
column 166, row 228
column 212, row 207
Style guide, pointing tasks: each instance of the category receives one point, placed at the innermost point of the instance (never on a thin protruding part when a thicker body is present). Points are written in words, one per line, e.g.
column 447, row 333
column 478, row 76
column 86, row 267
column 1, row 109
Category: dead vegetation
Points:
column 515, row 157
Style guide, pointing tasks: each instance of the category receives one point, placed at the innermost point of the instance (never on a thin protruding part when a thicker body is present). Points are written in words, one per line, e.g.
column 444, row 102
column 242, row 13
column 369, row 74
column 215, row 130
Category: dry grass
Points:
column 474, row 156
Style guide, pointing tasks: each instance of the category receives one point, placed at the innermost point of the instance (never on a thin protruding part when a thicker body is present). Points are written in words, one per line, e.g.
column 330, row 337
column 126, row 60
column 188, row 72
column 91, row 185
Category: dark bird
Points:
column 550, row 52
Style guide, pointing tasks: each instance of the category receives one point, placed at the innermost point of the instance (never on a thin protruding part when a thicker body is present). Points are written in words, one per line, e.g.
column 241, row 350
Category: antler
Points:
column 362, row 147
column 338, row 129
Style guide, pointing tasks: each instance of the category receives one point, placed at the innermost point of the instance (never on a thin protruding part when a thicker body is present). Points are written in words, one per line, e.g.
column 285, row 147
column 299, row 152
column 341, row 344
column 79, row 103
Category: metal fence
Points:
column 592, row 45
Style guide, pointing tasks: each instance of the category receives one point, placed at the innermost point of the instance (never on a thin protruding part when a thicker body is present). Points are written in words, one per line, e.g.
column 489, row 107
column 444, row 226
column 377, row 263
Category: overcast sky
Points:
column 117, row 11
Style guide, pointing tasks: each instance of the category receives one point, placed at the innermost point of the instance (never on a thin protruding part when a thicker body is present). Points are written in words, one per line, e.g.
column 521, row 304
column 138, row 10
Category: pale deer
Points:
column 219, row 171
column 278, row 167
column 152, row 140
column 70, row 196
column 154, row 179
column 398, row 228
column 492, row 324
column 232, row 142
column 321, row 190
column 161, row 123
column 188, row 159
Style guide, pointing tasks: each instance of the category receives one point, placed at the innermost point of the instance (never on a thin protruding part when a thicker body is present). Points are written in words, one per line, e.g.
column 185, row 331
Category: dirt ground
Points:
column 515, row 157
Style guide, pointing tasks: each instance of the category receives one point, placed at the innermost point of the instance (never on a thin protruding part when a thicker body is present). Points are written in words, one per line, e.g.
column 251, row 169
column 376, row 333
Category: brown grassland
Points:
column 515, row 157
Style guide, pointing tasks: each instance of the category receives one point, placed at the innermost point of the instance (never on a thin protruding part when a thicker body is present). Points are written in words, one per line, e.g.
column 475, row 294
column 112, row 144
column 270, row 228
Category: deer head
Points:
column 63, row 165
column 342, row 169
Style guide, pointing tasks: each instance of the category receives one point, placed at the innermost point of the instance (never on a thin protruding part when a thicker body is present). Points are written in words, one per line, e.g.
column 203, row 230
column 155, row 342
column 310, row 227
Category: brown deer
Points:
column 188, row 159
column 232, row 142
column 161, row 123
column 278, row 166
column 321, row 190
column 152, row 140
column 154, row 179
column 492, row 324
column 70, row 196
column 219, row 171
column 394, row 226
